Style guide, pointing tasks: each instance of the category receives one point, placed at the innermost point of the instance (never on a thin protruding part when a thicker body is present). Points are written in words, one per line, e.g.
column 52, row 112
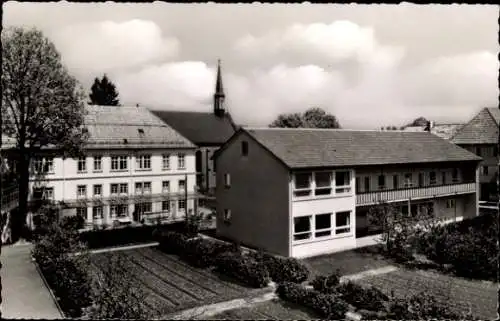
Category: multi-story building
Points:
column 305, row 192
column 480, row 136
column 135, row 168
column 208, row 130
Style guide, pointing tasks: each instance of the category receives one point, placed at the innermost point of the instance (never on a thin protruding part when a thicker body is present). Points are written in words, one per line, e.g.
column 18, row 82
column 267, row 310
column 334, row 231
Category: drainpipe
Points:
column 207, row 179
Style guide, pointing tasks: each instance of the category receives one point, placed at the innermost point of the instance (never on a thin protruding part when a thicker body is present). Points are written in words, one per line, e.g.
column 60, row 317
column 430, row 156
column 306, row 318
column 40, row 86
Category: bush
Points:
column 119, row 236
column 74, row 222
column 421, row 306
column 368, row 298
column 242, row 268
column 282, row 269
column 326, row 305
column 173, row 242
column 204, row 252
column 326, row 284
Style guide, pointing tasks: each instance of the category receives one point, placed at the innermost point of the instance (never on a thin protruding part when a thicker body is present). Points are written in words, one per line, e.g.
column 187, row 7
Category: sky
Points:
column 369, row 65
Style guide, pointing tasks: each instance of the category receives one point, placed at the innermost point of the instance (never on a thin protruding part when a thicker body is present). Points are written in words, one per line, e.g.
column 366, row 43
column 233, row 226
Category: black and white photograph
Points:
column 250, row 161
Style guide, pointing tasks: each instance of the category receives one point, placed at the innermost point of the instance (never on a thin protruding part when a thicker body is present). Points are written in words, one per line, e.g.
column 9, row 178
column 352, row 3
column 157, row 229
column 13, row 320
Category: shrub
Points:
column 326, row 284
column 173, row 242
column 368, row 298
column 421, row 306
column 326, row 305
column 242, row 268
column 74, row 222
column 282, row 269
column 120, row 236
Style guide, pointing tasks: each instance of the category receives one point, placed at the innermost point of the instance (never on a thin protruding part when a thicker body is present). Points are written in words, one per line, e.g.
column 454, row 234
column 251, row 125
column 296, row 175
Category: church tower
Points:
column 219, row 96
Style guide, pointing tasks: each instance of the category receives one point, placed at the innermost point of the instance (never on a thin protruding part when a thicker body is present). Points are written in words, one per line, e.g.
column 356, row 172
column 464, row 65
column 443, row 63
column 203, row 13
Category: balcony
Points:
column 10, row 199
column 414, row 193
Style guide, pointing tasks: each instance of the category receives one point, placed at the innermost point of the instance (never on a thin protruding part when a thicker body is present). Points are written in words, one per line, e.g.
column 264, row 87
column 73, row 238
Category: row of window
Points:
column 321, row 225
column 122, row 188
column 118, row 163
column 121, row 210
column 322, row 183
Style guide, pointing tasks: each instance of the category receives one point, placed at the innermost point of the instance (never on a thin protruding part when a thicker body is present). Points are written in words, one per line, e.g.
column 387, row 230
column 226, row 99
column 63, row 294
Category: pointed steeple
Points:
column 219, row 95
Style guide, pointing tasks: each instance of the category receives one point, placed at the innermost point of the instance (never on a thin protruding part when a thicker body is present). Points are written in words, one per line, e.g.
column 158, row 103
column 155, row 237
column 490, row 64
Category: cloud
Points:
column 105, row 46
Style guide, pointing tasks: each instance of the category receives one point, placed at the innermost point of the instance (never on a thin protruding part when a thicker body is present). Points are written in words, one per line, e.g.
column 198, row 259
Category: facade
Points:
column 209, row 131
column 306, row 192
column 135, row 169
column 481, row 136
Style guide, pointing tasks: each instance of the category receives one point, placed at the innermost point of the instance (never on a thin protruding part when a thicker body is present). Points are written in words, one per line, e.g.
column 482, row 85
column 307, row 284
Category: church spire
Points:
column 219, row 94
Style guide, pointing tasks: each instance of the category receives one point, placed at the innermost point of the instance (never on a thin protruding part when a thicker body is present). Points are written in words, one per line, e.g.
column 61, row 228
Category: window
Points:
column 484, row 170
column 302, row 228
column 143, row 162
column 323, row 225
column 97, row 190
column 342, row 222
column 43, row 165
column 227, row 180
column 37, row 165
column 166, row 161
column 49, row 193
column 114, row 189
column 432, row 178
column 144, row 207
column 81, row 191
column 478, row 151
column 181, row 205
column 450, row 203
column 165, row 186
column 358, row 185
column 142, row 187
column 181, row 161
column 123, row 188
column 82, row 164
column 97, row 212
column 227, row 215
column 443, row 177
column 244, row 148
column 97, row 163
column 119, row 163
column 420, row 179
column 408, row 180
column 182, row 185
column 82, row 212
column 46, row 193
column 302, row 184
column 367, row 184
column 395, row 182
column 118, row 210
column 165, row 206
column 381, row 181
column 454, row 175
column 48, row 165
column 323, row 183
column 342, row 182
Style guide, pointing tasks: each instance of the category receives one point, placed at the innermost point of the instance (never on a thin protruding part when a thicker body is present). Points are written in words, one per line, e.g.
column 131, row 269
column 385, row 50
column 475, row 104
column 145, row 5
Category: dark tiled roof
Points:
column 481, row 129
column 200, row 128
column 301, row 148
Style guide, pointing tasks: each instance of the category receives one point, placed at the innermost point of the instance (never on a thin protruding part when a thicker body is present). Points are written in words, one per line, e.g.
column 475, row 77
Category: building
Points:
column 480, row 136
column 443, row 130
column 305, row 192
column 135, row 169
column 208, row 130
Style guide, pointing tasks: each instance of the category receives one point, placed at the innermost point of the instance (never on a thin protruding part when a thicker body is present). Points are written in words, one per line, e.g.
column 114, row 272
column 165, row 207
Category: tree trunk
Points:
column 19, row 223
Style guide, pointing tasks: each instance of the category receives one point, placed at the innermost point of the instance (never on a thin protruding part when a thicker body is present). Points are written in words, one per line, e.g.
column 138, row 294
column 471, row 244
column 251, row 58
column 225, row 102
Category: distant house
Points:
column 481, row 136
column 445, row 131
column 305, row 192
column 208, row 130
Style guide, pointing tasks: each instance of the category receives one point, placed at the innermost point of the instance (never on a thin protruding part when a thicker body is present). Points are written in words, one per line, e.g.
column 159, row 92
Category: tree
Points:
column 42, row 104
column 312, row 118
column 103, row 92
column 420, row 121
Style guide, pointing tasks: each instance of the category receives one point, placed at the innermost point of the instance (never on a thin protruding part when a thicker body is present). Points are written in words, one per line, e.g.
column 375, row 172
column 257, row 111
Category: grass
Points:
column 172, row 285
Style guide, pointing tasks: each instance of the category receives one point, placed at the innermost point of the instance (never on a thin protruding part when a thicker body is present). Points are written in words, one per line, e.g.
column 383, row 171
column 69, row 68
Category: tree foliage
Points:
column 42, row 104
column 312, row 118
column 103, row 92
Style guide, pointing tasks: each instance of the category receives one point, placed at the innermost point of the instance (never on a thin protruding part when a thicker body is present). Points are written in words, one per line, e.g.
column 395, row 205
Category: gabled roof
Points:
column 200, row 128
column 306, row 147
column 481, row 129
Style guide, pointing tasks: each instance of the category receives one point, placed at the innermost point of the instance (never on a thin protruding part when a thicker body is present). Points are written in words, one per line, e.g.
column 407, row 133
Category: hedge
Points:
column 326, row 305
column 243, row 268
column 361, row 297
column 326, row 284
column 282, row 269
column 117, row 236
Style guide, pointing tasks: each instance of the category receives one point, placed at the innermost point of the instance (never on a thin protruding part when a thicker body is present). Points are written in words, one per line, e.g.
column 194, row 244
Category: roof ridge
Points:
column 326, row 129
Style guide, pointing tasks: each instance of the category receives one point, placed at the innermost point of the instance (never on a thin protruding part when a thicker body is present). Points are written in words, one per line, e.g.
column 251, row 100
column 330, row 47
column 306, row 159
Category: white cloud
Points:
column 104, row 46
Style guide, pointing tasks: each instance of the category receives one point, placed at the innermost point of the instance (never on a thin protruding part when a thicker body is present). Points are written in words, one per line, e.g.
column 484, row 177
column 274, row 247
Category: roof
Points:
column 199, row 127
column 445, row 131
column 481, row 129
column 303, row 148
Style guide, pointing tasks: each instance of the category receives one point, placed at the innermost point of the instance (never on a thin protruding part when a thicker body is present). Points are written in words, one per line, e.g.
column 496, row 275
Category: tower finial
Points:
column 219, row 93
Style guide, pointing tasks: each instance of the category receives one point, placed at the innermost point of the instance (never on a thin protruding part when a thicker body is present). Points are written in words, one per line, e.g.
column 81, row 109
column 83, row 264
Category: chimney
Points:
column 137, row 105
column 428, row 126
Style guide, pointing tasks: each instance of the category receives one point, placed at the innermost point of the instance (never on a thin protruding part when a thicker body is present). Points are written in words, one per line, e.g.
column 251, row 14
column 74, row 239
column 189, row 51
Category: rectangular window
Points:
column 97, row 212
column 97, row 163
column 165, row 206
column 443, row 177
column 244, row 148
column 323, row 183
column 166, row 162
column 37, row 164
column 48, row 165
column 144, row 207
column 484, row 170
column 342, row 182
column 146, row 187
column 302, row 228
column 81, row 191
column 450, row 203
column 395, row 182
column 342, row 222
column 182, row 185
column 114, row 189
column 82, row 212
column 118, row 211
column 432, row 178
column 302, row 184
column 98, row 190
column 143, row 162
column 408, row 180
column 181, row 205
column 46, row 193
column 381, row 181
column 119, row 163
column 181, row 161
column 165, row 186
column 49, row 193
column 227, row 180
column 420, row 179
column 82, row 164
column 323, row 225
column 227, row 215
column 358, row 185
column 367, row 184
column 123, row 188
column 454, row 176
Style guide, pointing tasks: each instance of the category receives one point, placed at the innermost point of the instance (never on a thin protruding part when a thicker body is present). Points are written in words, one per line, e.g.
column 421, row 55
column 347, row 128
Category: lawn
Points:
column 457, row 293
column 172, row 285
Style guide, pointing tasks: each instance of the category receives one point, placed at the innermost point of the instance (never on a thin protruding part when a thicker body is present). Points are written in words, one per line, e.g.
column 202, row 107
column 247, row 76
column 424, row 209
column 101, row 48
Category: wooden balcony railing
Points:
column 10, row 198
column 414, row 193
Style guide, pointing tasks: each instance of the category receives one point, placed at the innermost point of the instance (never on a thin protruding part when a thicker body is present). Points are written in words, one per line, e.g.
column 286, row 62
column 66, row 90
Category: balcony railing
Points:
column 414, row 193
column 128, row 199
column 10, row 198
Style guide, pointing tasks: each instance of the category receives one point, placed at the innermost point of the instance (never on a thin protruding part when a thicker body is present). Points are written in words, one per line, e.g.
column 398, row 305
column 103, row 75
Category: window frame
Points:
column 308, row 232
column 296, row 190
column 111, row 188
column 346, row 188
column 84, row 209
column 226, row 215
column 179, row 202
column 367, row 183
column 83, row 188
column 227, row 180
column 431, row 180
column 165, row 186
column 454, row 175
column 81, row 166
column 328, row 188
column 121, row 185
column 381, row 179
column 181, row 161
column 349, row 225
column 165, row 162
column 163, row 206
column 99, row 186
column 408, row 182
column 94, row 210
column 323, row 230
column 143, row 162
column 97, row 160
column 119, row 163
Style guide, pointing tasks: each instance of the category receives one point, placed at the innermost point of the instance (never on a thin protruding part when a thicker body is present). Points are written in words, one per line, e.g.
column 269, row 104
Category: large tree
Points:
column 42, row 105
column 312, row 118
column 103, row 92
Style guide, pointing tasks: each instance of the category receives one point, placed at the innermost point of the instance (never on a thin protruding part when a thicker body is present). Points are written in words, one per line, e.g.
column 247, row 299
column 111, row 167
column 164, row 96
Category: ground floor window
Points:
column 181, row 205
column 302, row 228
column 450, row 203
column 342, row 222
column 144, row 207
column 323, row 225
column 97, row 212
column 118, row 210
column 81, row 211
column 165, row 206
